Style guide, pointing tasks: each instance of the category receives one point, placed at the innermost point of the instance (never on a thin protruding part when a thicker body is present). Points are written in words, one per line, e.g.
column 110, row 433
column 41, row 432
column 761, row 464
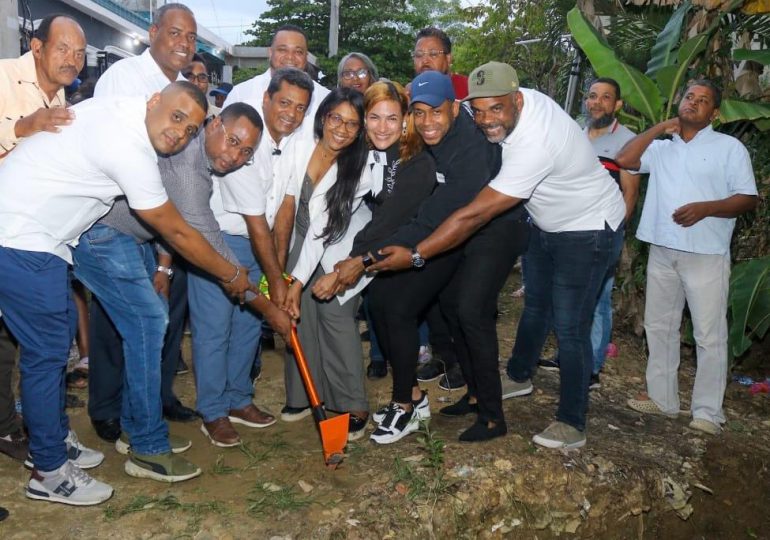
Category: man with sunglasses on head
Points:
column 255, row 210
column 173, row 35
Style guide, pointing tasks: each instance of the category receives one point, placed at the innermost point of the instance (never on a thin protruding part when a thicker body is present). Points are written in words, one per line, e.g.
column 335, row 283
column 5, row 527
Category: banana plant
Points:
column 749, row 301
column 653, row 93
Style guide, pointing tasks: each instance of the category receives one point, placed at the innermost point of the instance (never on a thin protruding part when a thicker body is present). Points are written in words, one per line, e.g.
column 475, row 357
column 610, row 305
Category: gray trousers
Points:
column 329, row 336
column 8, row 420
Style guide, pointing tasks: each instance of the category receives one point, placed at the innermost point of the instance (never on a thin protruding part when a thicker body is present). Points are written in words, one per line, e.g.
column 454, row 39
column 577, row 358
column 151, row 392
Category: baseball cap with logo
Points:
column 433, row 88
column 491, row 80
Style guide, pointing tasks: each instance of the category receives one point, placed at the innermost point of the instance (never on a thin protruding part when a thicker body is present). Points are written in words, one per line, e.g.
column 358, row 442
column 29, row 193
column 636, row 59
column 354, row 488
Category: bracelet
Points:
column 237, row 274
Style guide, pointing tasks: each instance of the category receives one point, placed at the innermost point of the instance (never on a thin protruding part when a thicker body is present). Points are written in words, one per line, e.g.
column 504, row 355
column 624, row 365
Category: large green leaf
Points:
column 639, row 91
column 749, row 300
column 733, row 110
column 686, row 55
column 664, row 51
column 762, row 57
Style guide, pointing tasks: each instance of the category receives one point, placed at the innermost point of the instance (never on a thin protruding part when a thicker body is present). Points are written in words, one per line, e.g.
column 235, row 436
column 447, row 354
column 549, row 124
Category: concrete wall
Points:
column 9, row 29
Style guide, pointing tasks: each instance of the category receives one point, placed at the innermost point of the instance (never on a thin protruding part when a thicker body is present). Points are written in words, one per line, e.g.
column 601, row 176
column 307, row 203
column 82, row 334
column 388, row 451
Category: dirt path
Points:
column 637, row 477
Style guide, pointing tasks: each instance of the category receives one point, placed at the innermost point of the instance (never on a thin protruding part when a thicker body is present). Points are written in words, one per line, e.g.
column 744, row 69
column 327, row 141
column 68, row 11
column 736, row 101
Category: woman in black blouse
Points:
column 404, row 175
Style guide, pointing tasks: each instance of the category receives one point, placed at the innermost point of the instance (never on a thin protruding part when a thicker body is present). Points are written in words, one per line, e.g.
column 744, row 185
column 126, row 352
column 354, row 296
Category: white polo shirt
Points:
column 253, row 90
column 548, row 160
column 134, row 76
column 54, row 186
column 260, row 188
column 712, row 166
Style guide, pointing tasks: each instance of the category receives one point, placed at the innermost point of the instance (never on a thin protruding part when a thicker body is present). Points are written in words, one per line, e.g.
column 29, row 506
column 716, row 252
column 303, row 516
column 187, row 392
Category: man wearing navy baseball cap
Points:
column 468, row 279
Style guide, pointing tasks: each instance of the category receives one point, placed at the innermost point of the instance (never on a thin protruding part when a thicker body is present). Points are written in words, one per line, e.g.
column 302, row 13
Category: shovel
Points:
column 334, row 431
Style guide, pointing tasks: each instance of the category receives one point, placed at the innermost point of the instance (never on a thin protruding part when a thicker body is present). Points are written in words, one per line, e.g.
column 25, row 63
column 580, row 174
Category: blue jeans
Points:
column 37, row 307
column 601, row 329
column 225, row 337
column 118, row 271
column 564, row 274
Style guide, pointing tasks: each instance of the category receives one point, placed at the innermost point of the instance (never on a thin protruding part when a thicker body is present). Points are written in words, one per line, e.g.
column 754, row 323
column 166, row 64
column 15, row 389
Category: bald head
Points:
column 174, row 116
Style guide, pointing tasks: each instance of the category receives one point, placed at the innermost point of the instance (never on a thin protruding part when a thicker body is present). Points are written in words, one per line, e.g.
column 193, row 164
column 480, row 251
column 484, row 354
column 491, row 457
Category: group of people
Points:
column 418, row 198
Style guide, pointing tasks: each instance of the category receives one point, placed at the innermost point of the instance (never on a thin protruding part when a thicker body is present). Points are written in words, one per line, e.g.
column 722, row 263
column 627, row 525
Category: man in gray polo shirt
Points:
column 116, row 263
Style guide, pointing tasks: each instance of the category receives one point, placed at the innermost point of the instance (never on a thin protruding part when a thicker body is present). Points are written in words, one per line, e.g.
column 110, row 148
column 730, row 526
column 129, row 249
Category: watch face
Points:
column 417, row 260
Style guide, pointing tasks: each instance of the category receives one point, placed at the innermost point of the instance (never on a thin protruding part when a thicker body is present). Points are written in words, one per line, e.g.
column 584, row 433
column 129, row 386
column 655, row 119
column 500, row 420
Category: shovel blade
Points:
column 334, row 438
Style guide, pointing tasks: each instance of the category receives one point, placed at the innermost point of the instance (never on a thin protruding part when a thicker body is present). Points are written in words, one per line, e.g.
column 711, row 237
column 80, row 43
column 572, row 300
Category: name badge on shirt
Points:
column 440, row 178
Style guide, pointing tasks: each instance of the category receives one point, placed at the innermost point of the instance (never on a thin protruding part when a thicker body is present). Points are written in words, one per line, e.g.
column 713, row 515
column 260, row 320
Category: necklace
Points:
column 391, row 179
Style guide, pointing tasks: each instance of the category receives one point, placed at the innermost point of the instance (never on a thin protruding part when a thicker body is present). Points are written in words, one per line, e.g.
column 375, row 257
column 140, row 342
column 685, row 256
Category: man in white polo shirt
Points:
column 70, row 180
column 700, row 181
column 288, row 49
column 172, row 45
column 255, row 210
column 577, row 231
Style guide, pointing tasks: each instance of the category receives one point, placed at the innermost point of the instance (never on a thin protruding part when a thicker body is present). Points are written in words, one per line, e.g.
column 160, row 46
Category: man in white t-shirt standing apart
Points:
column 700, row 181
column 577, row 232
column 172, row 36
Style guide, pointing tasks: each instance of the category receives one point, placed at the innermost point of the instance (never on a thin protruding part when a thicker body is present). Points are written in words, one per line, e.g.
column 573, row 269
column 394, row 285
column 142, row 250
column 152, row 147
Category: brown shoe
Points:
column 251, row 416
column 221, row 433
column 15, row 445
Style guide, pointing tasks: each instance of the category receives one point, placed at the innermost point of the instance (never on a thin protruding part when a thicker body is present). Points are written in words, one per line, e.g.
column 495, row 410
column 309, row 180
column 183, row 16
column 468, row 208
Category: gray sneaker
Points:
column 512, row 388
column 68, row 484
column 178, row 444
column 167, row 467
column 560, row 435
column 80, row 455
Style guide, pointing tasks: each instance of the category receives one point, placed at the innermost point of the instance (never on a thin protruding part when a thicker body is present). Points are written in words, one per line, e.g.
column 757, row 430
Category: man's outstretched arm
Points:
column 457, row 228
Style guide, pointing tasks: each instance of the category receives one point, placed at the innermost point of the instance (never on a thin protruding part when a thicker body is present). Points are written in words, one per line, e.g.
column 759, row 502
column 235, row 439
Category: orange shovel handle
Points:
column 304, row 371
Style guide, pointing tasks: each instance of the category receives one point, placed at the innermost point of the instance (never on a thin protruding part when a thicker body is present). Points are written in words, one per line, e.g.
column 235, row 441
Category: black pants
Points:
column 470, row 305
column 440, row 336
column 8, row 422
column 398, row 301
column 106, row 364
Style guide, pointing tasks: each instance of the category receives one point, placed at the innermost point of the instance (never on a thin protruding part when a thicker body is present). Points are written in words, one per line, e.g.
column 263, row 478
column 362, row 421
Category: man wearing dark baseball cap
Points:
column 576, row 234
column 467, row 279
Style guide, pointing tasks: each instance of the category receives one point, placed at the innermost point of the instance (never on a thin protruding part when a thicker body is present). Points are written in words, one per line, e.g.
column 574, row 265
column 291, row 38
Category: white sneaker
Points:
column 397, row 424
column 425, row 355
column 512, row 388
column 421, row 409
column 83, row 457
column 68, row 484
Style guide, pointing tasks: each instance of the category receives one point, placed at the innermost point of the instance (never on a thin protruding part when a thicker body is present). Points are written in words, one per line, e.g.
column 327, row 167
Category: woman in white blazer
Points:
column 329, row 214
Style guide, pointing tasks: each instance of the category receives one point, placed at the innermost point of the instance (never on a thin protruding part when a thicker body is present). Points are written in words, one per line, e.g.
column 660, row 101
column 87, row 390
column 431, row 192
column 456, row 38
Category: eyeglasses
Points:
column 433, row 54
column 335, row 121
column 350, row 74
column 234, row 142
column 200, row 77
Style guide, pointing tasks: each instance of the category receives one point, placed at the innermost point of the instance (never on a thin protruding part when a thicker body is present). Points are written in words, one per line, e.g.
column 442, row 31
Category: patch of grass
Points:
column 265, row 499
column 165, row 503
column 221, row 468
column 254, row 457
column 425, row 482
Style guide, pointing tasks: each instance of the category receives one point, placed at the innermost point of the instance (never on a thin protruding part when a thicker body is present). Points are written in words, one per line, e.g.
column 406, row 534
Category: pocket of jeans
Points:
column 100, row 234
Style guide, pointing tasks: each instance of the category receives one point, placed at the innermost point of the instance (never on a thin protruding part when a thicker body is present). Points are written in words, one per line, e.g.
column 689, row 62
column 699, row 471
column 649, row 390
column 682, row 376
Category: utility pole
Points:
column 334, row 28
column 9, row 36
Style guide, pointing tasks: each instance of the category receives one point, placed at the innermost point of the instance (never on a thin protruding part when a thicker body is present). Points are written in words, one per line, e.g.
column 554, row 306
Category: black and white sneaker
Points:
column 421, row 408
column 595, row 383
column 68, row 484
column 356, row 427
column 397, row 424
column 80, row 455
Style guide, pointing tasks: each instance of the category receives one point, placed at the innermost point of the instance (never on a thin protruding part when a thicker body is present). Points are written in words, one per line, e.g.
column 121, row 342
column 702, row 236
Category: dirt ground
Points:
column 638, row 477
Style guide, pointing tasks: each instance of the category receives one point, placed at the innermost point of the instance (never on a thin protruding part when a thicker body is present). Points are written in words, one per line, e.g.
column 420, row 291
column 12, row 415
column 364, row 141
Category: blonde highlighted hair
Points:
column 410, row 143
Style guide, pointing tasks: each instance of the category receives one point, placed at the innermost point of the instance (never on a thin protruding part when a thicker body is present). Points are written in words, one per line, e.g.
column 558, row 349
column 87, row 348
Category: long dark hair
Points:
column 350, row 163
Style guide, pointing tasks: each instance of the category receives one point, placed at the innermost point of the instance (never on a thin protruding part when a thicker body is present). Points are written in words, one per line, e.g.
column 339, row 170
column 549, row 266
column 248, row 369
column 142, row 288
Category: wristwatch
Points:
column 367, row 260
column 166, row 270
column 417, row 260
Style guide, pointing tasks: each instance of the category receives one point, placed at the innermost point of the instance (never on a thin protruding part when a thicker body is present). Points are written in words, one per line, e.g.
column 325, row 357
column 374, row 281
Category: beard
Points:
column 599, row 123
